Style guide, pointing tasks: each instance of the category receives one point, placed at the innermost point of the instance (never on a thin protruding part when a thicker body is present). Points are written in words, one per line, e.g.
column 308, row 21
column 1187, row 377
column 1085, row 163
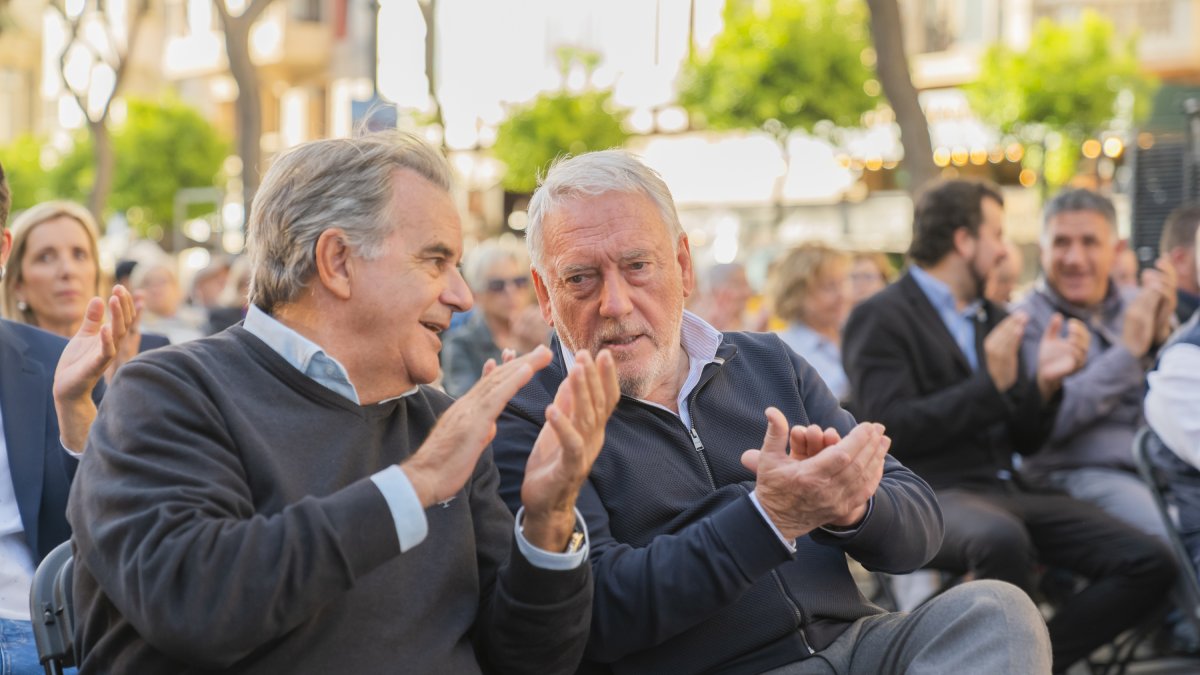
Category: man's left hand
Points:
column 566, row 448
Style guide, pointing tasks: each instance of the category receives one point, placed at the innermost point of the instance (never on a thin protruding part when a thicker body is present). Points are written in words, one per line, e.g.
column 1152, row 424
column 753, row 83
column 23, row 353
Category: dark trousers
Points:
column 1001, row 535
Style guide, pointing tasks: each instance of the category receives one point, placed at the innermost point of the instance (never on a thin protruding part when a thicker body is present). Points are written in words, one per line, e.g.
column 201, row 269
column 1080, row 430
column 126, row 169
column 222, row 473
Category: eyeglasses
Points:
column 498, row 285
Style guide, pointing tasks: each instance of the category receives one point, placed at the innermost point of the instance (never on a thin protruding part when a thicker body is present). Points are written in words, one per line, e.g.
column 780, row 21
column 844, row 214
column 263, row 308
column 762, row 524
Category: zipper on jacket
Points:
column 712, row 481
column 795, row 611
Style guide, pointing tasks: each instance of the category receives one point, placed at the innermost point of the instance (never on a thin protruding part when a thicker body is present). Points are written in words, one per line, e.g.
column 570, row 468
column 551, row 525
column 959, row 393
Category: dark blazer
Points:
column 152, row 341
column 41, row 469
column 948, row 423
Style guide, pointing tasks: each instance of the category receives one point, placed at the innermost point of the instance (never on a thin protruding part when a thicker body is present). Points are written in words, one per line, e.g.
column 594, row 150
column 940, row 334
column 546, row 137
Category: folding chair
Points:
column 1157, row 480
column 52, row 612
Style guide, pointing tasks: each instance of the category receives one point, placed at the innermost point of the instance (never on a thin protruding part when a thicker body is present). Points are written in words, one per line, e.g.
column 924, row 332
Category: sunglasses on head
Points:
column 497, row 285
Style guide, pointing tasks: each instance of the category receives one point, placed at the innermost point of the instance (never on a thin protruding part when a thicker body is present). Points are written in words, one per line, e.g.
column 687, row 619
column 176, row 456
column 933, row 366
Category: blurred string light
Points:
column 1091, row 148
column 1113, row 147
column 195, row 258
column 1028, row 178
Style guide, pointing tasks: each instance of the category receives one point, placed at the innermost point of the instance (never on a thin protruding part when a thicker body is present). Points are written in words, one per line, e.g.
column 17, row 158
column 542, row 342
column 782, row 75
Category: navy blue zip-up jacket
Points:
column 688, row 575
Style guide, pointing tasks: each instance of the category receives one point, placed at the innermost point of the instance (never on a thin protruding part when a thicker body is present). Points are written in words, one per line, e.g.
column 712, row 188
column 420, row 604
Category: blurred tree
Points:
column 161, row 147
column 104, row 48
column 1074, row 81
column 556, row 123
column 891, row 64
column 780, row 66
column 28, row 180
column 236, row 28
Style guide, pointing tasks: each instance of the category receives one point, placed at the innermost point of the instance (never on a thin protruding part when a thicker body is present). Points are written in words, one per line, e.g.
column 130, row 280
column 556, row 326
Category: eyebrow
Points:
column 438, row 249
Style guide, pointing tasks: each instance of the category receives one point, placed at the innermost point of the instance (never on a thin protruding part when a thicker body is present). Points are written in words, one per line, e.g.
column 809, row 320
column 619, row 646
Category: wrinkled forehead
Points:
column 611, row 222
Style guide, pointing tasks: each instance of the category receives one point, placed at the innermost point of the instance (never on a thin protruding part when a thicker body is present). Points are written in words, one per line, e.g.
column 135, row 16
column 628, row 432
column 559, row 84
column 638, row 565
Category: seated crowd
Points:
column 606, row 467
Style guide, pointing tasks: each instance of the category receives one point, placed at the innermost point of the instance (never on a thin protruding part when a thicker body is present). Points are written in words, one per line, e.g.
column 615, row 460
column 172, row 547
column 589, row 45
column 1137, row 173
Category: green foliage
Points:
column 28, row 180
column 553, row 124
column 797, row 62
column 1074, row 80
column 162, row 147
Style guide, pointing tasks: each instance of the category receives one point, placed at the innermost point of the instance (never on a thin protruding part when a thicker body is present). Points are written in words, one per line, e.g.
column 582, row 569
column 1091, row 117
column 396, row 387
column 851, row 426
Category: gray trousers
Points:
column 1121, row 494
column 980, row 627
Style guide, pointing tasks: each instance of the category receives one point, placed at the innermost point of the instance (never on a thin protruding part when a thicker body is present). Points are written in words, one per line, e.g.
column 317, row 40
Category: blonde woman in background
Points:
column 54, row 269
column 810, row 290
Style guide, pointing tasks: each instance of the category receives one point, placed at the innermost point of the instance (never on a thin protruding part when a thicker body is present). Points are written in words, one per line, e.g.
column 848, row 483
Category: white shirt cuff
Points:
column 402, row 501
column 789, row 543
column 70, row 452
column 545, row 559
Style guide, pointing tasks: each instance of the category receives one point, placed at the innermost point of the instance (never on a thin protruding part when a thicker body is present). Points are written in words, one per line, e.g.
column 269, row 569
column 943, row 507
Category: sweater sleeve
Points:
column 904, row 528
column 531, row 620
column 165, row 521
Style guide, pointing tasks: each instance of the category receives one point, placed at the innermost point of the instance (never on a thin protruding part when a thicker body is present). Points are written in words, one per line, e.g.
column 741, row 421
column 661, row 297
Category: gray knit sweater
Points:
column 224, row 521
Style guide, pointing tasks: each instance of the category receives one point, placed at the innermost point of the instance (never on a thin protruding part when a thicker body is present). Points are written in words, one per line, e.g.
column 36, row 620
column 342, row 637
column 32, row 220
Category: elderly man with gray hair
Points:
column 288, row 496
column 1088, row 453
column 709, row 557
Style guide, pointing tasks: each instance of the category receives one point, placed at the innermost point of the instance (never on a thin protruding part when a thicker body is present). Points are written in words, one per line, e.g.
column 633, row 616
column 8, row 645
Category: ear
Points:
column 684, row 257
column 964, row 243
column 543, row 296
column 334, row 262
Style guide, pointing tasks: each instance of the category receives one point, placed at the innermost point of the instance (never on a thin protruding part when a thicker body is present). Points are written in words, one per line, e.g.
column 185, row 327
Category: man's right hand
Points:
column 1001, row 347
column 826, row 480
column 1140, row 321
column 444, row 462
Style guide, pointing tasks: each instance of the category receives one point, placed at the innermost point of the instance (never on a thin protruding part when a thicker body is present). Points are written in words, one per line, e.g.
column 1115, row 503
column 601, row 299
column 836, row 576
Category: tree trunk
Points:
column 248, row 106
column 429, row 12
column 891, row 64
column 104, row 163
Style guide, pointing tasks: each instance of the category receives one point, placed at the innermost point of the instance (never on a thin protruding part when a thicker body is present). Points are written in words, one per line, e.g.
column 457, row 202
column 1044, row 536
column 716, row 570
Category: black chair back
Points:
column 1158, row 481
column 51, row 610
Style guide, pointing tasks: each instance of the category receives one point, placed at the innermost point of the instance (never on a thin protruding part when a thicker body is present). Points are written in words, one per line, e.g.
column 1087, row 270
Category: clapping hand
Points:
column 1061, row 355
column 567, row 447
column 86, row 358
column 825, row 480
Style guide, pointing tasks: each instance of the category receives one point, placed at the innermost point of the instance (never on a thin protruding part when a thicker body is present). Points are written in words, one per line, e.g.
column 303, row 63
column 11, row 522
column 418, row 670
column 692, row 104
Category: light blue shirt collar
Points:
column 304, row 355
column 700, row 342
column 961, row 324
column 821, row 353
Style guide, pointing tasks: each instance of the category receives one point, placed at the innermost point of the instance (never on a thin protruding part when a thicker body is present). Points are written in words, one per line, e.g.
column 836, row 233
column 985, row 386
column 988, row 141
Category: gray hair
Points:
column 485, row 256
column 344, row 183
column 592, row 174
column 1079, row 199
